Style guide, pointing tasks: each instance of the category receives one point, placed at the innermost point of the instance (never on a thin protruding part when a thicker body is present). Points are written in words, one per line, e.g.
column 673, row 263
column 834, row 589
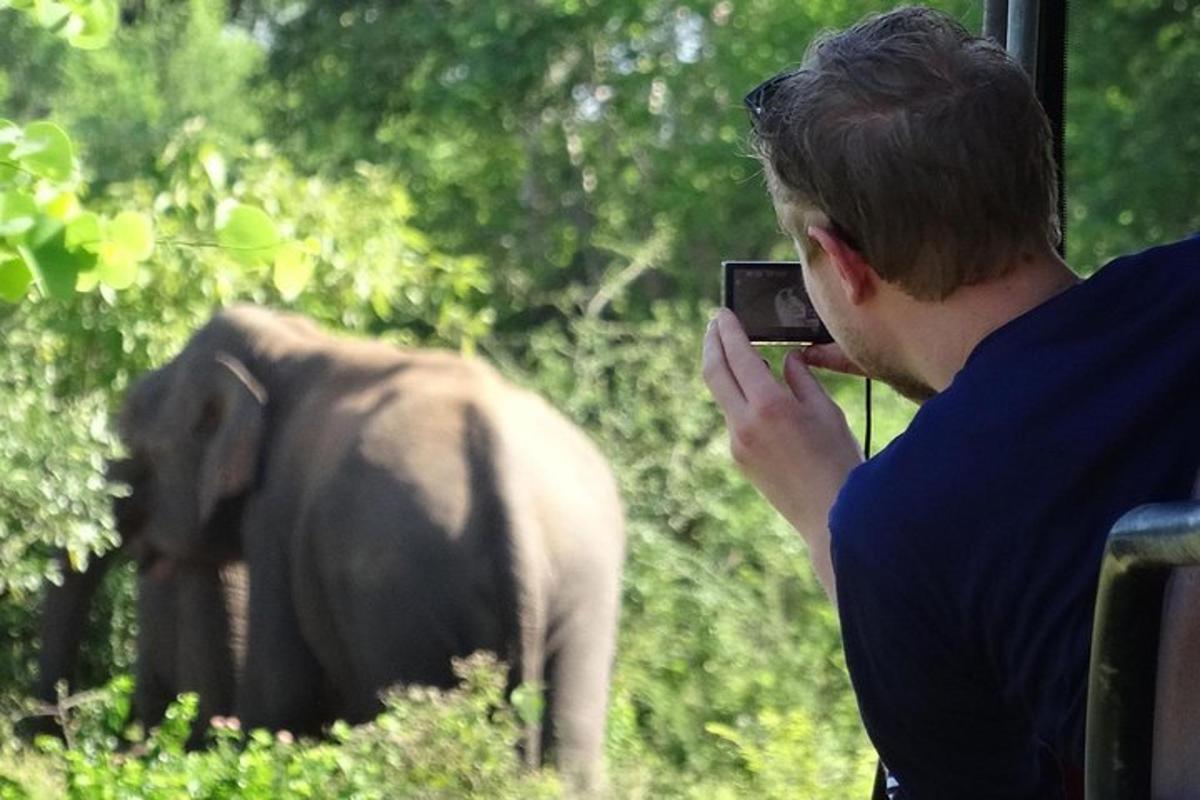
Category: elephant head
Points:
column 194, row 427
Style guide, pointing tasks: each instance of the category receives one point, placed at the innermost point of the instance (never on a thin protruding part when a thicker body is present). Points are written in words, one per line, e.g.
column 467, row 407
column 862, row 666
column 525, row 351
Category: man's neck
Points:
column 941, row 335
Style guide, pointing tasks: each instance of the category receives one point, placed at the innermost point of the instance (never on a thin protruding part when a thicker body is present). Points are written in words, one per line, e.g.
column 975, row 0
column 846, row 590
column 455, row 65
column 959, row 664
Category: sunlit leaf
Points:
column 15, row 278
column 293, row 269
column 45, row 150
column 117, row 272
column 97, row 24
column 85, row 231
column 54, row 267
column 50, row 13
column 248, row 235
column 87, row 281
column 18, row 213
column 10, row 134
column 529, row 702
column 64, row 206
column 214, row 166
column 133, row 234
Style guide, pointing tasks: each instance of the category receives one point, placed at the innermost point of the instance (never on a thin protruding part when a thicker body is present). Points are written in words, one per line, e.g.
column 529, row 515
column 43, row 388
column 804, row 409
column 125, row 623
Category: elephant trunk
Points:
column 60, row 632
column 65, row 607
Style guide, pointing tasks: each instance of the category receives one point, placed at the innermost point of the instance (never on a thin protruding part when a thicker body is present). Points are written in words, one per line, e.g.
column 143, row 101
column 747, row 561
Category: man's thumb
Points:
column 830, row 356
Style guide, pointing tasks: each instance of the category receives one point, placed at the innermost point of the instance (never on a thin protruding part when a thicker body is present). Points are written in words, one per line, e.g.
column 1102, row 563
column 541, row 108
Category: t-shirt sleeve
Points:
column 932, row 713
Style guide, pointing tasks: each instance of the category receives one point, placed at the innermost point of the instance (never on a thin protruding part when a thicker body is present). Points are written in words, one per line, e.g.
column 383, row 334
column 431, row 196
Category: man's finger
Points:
column 746, row 365
column 830, row 356
column 717, row 377
column 800, row 380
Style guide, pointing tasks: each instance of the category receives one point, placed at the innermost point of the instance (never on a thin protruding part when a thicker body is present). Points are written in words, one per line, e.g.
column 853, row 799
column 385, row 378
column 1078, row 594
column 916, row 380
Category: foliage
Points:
column 1130, row 165
column 45, row 236
column 552, row 185
column 573, row 130
column 426, row 744
column 86, row 24
column 53, row 479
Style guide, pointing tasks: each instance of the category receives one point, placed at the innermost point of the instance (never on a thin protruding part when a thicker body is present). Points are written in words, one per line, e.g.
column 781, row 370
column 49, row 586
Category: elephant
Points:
column 398, row 508
column 191, row 617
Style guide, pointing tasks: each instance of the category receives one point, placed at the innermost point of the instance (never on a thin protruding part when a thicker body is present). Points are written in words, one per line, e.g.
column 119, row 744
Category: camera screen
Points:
column 768, row 298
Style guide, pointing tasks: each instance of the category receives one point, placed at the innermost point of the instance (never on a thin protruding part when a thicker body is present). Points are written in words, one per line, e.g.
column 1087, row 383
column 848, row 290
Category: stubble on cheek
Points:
column 879, row 367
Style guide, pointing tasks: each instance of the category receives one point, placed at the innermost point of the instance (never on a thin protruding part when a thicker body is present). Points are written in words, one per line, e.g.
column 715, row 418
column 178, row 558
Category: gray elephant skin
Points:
column 396, row 508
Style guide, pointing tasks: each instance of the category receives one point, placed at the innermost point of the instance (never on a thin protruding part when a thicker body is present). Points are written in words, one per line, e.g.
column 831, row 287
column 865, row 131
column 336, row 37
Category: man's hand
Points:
column 830, row 356
column 791, row 441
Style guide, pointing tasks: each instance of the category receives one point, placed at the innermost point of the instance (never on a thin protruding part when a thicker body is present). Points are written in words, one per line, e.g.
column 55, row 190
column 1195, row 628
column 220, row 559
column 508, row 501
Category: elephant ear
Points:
column 231, row 419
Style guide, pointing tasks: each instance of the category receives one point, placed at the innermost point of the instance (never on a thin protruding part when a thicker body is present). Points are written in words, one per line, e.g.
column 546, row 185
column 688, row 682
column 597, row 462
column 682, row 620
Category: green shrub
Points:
column 426, row 744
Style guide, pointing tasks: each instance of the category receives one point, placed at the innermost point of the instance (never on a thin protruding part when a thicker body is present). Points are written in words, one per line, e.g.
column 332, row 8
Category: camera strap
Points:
column 867, row 414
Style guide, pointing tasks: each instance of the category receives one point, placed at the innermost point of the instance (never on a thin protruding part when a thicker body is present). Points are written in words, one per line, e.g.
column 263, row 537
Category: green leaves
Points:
column 428, row 743
column 130, row 239
column 35, row 162
column 529, row 701
column 85, row 231
column 15, row 278
column 48, row 240
column 94, row 25
column 18, row 213
column 250, row 237
column 45, row 151
column 247, row 233
column 55, row 266
column 66, row 257
column 294, row 267
column 85, row 24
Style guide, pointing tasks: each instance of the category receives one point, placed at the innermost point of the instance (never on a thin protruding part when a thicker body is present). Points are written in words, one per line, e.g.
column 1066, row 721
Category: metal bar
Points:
column 995, row 20
column 1051, row 85
column 1022, row 41
column 1143, row 547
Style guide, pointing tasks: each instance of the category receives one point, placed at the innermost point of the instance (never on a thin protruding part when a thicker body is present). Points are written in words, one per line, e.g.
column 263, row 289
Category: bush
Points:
column 426, row 744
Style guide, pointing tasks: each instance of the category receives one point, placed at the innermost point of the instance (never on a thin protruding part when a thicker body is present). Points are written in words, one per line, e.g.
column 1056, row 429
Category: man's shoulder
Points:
column 915, row 490
column 971, row 453
column 1169, row 267
column 1183, row 253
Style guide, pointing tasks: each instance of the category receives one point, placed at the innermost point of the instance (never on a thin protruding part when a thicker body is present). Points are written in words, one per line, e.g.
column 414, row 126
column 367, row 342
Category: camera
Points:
column 769, row 299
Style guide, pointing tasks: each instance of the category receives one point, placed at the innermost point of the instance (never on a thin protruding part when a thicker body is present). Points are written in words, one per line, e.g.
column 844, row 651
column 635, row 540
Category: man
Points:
column 911, row 164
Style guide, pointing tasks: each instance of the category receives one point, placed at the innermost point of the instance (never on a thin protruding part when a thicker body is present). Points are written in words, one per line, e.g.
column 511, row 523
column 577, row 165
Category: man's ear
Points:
column 855, row 274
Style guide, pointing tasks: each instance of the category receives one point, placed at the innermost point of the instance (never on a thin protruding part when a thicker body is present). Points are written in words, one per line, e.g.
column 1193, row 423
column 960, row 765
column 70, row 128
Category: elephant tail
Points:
column 511, row 537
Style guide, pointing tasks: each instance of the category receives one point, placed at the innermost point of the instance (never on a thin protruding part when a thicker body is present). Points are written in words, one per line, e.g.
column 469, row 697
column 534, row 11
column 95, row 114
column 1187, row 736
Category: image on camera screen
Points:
column 771, row 303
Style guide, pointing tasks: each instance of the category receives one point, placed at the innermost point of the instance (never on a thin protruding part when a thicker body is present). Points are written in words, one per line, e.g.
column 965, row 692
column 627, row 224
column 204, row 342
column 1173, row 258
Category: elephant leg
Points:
column 204, row 655
column 157, row 680
column 281, row 683
column 379, row 598
column 529, row 668
column 580, row 652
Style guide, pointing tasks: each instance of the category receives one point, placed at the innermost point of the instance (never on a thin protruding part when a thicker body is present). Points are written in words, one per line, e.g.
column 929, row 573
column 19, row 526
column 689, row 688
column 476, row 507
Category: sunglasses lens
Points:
column 760, row 96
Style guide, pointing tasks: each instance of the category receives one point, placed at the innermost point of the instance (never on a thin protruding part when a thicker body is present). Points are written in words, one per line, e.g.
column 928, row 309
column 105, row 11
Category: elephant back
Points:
column 559, row 482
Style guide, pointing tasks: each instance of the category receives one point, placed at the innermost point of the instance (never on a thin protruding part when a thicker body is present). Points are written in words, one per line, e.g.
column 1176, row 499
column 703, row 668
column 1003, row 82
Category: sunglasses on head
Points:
column 757, row 102
column 760, row 96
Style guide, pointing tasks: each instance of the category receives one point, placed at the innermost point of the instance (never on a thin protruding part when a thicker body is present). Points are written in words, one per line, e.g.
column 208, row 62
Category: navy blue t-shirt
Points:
column 967, row 552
